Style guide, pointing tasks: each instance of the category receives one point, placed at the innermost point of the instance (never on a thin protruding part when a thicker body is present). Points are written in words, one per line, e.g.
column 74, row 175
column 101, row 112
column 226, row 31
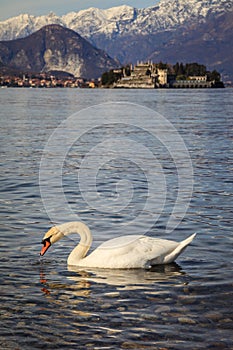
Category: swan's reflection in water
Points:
column 81, row 287
column 89, row 292
column 126, row 279
column 83, row 279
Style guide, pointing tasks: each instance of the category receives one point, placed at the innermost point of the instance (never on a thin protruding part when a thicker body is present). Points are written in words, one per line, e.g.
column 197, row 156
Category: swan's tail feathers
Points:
column 178, row 250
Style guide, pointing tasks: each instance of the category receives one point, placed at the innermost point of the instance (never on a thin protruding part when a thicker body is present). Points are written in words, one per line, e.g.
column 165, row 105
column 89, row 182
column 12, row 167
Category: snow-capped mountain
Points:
column 119, row 21
column 124, row 20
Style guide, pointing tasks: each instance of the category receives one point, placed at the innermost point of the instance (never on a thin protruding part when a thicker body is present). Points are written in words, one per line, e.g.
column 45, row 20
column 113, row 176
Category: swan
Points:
column 133, row 251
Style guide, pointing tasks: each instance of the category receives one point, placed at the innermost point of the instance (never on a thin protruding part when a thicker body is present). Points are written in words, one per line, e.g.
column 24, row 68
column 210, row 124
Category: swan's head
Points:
column 52, row 236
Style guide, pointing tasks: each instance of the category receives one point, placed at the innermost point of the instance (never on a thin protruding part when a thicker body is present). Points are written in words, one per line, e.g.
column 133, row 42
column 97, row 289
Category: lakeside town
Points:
column 45, row 80
column 144, row 75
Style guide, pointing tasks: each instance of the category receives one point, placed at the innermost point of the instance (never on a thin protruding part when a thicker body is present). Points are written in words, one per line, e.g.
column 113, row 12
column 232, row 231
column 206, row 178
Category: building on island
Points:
column 162, row 75
column 140, row 76
column 193, row 82
column 151, row 75
column 198, row 77
column 143, row 75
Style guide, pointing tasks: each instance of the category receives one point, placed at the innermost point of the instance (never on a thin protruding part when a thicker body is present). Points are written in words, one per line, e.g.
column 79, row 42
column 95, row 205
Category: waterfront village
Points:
column 44, row 80
column 144, row 75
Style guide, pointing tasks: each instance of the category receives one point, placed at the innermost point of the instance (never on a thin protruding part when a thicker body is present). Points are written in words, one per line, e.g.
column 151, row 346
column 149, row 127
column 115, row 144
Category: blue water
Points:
column 185, row 305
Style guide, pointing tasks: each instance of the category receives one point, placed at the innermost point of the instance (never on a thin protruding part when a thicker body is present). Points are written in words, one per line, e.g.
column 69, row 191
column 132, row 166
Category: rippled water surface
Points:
column 185, row 305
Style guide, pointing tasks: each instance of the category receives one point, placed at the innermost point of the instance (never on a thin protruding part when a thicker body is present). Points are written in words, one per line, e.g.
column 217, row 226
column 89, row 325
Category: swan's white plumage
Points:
column 133, row 251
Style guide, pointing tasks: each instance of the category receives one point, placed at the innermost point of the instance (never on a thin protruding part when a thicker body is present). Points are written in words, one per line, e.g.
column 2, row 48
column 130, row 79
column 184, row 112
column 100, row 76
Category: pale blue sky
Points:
column 11, row 8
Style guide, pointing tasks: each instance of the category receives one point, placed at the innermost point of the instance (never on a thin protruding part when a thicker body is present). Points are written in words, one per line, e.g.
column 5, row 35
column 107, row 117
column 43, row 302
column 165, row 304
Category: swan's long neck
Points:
column 82, row 248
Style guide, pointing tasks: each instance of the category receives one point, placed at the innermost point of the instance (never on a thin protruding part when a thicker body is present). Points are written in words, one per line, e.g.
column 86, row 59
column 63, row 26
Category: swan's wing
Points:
column 154, row 250
column 119, row 242
column 168, row 250
column 129, row 252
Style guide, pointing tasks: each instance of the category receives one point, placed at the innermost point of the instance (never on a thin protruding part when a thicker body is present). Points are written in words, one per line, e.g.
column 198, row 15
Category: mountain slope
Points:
column 210, row 43
column 55, row 48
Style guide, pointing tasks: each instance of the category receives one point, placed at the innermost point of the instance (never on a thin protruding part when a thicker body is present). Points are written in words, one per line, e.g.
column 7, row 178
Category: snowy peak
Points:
column 24, row 25
column 198, row 8
column 120, row 13
column 94, row 20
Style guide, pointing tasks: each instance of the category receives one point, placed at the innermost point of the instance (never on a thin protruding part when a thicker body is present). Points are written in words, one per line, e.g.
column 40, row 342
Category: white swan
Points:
column 124, row 252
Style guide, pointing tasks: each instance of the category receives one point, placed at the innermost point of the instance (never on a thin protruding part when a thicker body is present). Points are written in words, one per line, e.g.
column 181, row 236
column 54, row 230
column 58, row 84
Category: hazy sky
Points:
column 11, row 8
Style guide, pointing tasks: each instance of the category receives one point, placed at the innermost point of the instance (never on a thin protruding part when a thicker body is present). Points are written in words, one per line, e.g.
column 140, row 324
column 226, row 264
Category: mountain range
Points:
column 172, row 30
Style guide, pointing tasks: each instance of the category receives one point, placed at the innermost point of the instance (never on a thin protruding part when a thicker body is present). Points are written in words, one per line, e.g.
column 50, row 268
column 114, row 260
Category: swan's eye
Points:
column 46, row 240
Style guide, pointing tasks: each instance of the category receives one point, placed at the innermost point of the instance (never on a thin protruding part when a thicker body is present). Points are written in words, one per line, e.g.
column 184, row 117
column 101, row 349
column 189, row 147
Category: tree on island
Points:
column 108, row 78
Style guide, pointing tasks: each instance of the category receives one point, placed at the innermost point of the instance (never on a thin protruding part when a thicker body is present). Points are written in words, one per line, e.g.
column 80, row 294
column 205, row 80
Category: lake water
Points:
column 185, row 305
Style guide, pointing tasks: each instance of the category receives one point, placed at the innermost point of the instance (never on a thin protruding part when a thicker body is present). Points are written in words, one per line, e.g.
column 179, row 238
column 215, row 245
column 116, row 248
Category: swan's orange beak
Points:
column 47, row 244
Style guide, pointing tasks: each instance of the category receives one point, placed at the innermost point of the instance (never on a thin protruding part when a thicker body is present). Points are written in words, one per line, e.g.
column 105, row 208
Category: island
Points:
column 149, row 75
